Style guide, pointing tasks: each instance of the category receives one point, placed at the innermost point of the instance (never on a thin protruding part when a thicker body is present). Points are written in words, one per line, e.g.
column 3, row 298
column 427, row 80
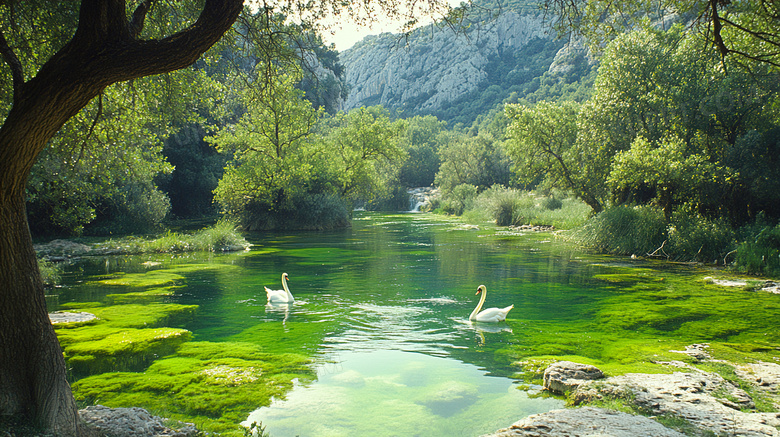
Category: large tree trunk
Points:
column 33, row 384
column 32, row 369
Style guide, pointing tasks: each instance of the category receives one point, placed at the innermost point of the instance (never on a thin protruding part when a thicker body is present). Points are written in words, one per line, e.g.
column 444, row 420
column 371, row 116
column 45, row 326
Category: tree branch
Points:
column 136, row 24
column 17, row 72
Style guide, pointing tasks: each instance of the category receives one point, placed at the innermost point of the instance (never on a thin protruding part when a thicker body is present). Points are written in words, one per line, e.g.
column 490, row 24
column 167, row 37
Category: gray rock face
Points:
column 565, row 376
column 705, row 400
column 436, row 67
column 130, row 422
column 586, row 421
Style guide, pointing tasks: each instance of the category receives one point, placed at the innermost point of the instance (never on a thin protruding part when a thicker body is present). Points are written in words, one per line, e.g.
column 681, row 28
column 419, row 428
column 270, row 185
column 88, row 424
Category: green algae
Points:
column 123, row 337
column 613, row 313
column 160, row 277
column 654, row 314
column 214, row 384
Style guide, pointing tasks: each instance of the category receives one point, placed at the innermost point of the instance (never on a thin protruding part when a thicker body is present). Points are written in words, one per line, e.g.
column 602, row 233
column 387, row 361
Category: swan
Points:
column 490, row 315
column 280, row 296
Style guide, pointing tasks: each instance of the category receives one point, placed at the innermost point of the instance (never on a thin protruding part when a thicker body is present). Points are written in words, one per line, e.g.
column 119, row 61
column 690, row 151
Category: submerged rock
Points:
column 131, row 422
column 586, row 421
column 58, row 317
column 565, row 376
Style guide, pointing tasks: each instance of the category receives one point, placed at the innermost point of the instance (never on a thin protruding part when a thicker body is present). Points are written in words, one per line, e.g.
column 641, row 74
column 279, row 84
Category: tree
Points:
column 663, row 172
column 474, row 160
column 747, row 30
column 273, row 156
column 361, row 141
column 107, row 47
column 543, row 146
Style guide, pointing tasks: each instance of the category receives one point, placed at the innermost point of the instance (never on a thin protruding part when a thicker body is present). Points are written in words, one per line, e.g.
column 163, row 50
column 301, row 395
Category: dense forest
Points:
column 671, row 144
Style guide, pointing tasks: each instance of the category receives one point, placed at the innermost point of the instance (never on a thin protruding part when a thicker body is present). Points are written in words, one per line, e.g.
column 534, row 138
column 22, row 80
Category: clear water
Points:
column 382, row 308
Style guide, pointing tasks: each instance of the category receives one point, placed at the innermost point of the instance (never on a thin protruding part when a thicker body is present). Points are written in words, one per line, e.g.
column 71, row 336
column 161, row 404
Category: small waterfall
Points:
column 421, row 196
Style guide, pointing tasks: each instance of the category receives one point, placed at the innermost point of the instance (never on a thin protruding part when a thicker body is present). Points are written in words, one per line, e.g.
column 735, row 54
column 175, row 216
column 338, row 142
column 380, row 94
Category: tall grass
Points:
column 759, row 250
column 223, row 236
column 624, row 230
column 643, row 230
column 512, row 207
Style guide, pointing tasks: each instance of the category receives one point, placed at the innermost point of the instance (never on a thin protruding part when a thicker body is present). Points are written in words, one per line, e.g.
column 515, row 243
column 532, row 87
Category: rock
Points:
column 586, row 421
column 433, row 67
column 450, row 398
column 766, row 377
column 68, row 317
column 60, row 249
column 564, row 376
column 131, row 422
column 697, row 351
column 705, row 400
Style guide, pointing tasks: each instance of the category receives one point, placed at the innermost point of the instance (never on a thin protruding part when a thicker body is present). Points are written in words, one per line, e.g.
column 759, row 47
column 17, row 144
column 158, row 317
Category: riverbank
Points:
column 734, row 400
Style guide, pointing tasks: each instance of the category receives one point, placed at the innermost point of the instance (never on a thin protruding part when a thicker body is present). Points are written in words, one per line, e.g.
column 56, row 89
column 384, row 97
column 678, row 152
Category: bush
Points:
column 624, row 230
column 308, row 212
column 508, row 206
column 696, row 238
column 759, row 253
column 460, row 199
column 551, row 203
column 50, row 273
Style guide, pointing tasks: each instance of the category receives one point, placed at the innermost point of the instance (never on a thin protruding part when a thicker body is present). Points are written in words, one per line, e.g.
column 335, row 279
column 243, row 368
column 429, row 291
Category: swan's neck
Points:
column 479, row 306
column 284, row 285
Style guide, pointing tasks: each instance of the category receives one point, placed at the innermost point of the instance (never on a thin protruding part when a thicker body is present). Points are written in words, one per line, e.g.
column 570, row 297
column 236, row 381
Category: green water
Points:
column 381, row 312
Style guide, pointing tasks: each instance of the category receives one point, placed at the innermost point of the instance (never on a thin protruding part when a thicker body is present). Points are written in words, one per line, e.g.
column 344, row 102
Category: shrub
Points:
column 624, row 230
column 460, row 199
column 307, row 212
column 507, row 206
column 50, row 273
column 551, row 203
column 759, row 252
column 696, row 238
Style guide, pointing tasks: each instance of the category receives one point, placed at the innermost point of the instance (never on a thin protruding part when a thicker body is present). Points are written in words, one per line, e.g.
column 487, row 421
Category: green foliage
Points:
column 662, row 173
column 422, row 137
column 513, row 207
column 51, row 273
column 624, row 230
column 693, row 237
column 544, row 148
column 222, row 236
column 364, row 152
column 759, row 252
column 475, row 160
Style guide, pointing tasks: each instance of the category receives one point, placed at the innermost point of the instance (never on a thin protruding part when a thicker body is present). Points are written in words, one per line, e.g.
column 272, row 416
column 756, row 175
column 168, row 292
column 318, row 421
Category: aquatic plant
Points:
column 214, row 384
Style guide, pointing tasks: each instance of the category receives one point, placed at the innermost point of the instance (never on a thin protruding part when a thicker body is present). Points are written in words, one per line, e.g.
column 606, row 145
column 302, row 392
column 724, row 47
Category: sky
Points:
column 346, row 34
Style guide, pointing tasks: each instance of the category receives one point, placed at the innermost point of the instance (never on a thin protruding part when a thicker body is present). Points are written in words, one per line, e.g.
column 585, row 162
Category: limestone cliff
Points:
column 435, row 66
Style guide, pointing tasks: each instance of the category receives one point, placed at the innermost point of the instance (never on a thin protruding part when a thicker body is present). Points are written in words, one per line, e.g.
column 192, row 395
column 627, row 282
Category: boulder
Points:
column 705, row 400
column 130, row 422
column 564, row 376
column 586, row 421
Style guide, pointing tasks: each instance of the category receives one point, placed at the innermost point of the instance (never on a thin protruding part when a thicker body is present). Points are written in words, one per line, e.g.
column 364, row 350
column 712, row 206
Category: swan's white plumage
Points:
column 280, row 296
column 489, row 315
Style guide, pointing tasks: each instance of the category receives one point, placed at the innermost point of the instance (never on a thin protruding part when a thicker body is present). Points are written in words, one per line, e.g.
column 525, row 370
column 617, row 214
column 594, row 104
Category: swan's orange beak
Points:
column 478, row 290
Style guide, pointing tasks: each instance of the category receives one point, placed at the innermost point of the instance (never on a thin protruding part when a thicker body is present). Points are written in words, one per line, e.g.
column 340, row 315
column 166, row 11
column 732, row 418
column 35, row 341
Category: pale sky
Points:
column 346, row 34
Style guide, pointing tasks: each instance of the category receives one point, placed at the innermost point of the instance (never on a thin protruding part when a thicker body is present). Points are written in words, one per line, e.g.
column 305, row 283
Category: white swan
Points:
column 280, row 296
column 490, row 315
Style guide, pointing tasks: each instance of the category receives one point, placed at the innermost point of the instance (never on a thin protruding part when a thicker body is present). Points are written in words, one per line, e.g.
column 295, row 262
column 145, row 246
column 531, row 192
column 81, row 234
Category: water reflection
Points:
column 391, row 392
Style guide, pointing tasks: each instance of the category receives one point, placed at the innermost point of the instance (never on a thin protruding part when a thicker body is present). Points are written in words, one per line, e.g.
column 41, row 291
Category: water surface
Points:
column 382, row 310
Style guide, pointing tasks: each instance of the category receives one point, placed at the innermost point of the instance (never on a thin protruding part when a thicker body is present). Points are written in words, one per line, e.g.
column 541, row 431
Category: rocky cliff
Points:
column 435, row 66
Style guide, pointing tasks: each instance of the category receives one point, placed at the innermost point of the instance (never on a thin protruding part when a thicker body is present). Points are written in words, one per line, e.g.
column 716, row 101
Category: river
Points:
column 382, row 311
